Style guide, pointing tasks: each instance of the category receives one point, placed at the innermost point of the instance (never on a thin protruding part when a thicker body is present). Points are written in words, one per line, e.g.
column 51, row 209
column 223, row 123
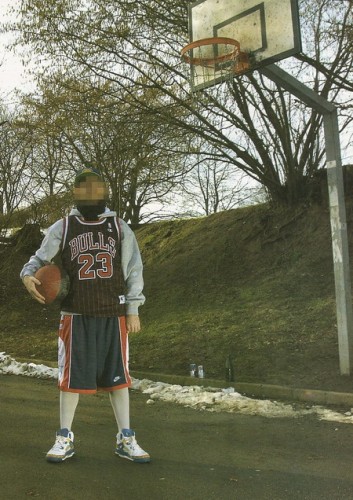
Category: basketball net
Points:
column 214, row 60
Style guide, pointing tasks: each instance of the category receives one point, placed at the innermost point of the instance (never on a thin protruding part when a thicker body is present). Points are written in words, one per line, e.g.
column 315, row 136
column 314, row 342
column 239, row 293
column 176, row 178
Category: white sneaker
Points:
column 127, row 447
column 63, row 447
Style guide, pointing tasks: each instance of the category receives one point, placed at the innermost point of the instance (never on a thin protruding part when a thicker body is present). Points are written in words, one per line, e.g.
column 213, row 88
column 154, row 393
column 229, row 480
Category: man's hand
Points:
column 132, row 323
column 30, row 283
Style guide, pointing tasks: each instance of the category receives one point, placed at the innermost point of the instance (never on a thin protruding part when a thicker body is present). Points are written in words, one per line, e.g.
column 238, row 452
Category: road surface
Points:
column 195, row 454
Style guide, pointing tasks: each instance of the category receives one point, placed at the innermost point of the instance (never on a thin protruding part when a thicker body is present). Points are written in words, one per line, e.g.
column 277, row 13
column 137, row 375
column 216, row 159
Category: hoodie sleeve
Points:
column 48, row 250
column 132, row 269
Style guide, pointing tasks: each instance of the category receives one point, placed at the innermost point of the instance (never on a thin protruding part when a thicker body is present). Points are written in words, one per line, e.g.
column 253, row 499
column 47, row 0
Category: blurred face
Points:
column 90, row 191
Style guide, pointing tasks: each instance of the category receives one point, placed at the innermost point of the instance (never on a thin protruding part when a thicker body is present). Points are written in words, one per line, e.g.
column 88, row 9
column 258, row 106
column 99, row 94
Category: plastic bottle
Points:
column 193, row 370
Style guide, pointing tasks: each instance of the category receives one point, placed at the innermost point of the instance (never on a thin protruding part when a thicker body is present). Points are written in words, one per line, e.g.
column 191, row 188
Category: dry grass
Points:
column 256, row 283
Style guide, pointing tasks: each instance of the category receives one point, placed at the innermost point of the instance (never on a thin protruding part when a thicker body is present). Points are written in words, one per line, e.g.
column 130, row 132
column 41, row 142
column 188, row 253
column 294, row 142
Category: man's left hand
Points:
column 133, row 323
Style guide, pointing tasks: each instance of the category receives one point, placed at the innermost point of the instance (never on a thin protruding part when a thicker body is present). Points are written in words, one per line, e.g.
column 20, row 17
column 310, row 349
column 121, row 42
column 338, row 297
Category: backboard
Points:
column 267, row 31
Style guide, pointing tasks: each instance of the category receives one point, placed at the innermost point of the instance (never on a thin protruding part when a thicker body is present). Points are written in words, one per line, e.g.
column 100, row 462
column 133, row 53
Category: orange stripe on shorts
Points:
column 64, row 352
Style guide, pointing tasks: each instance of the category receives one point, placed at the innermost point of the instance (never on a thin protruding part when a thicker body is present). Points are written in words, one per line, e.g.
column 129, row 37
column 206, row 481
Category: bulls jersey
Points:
column 91, row 255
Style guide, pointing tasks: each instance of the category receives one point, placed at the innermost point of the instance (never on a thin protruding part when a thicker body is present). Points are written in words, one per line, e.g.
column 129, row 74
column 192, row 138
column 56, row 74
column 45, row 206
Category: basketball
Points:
column 54, row 283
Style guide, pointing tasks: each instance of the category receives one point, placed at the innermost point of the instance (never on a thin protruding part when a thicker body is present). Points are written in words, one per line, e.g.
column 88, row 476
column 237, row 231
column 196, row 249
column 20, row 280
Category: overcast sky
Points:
column 11, row 70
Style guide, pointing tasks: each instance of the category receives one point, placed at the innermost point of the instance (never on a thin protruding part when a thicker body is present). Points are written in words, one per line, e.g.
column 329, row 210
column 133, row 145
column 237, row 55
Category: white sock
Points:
column 120, row 402
column 68, row 404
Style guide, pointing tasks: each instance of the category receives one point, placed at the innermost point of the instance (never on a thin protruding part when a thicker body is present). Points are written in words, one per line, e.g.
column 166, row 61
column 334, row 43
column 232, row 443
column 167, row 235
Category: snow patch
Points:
column 197, row 397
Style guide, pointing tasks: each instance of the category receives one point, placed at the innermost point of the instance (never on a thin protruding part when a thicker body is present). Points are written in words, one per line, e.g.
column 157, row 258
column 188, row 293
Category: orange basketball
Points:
column 54, row 282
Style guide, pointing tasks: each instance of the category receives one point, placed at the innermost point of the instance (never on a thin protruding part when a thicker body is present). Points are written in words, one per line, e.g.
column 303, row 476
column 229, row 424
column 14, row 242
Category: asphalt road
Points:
column 195, row 455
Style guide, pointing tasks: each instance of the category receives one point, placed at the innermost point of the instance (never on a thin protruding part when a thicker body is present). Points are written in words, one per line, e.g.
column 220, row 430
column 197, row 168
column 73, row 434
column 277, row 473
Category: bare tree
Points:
column 76, row 123
column 15, row 174
column 213, row 186
column 253, row 124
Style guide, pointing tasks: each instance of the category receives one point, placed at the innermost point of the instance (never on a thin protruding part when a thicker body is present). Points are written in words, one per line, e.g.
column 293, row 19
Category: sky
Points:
column 201, row 398
column 11, row 69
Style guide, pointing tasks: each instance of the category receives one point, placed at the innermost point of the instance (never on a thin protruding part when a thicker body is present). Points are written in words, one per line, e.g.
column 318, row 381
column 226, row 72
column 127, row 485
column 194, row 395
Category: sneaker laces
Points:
column 132, row 443
column 60, row 443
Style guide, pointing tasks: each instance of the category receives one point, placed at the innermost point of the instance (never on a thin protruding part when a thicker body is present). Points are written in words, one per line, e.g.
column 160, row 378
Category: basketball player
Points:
column 101, row 256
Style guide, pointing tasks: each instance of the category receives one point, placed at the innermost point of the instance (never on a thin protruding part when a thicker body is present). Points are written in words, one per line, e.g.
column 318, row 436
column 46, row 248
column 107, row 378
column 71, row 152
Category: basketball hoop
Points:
column 216, row 53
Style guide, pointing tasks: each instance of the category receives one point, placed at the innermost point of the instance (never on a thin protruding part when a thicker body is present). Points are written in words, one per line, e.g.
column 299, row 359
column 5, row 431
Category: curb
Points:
column 261, row 391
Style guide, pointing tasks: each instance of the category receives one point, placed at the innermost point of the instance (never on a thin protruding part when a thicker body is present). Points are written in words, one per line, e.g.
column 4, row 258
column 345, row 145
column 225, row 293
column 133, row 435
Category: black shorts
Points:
column 93, row 354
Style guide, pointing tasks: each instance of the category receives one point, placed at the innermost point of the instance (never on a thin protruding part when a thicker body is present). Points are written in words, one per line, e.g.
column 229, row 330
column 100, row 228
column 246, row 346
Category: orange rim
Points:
column 211, row 61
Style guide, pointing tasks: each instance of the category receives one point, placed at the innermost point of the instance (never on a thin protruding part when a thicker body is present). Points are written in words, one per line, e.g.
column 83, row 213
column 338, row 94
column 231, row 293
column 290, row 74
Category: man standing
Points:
column 100, row 254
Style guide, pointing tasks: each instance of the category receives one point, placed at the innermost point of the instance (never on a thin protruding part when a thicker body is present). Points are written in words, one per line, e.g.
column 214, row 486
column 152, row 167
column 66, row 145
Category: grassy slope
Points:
column 255, row 283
